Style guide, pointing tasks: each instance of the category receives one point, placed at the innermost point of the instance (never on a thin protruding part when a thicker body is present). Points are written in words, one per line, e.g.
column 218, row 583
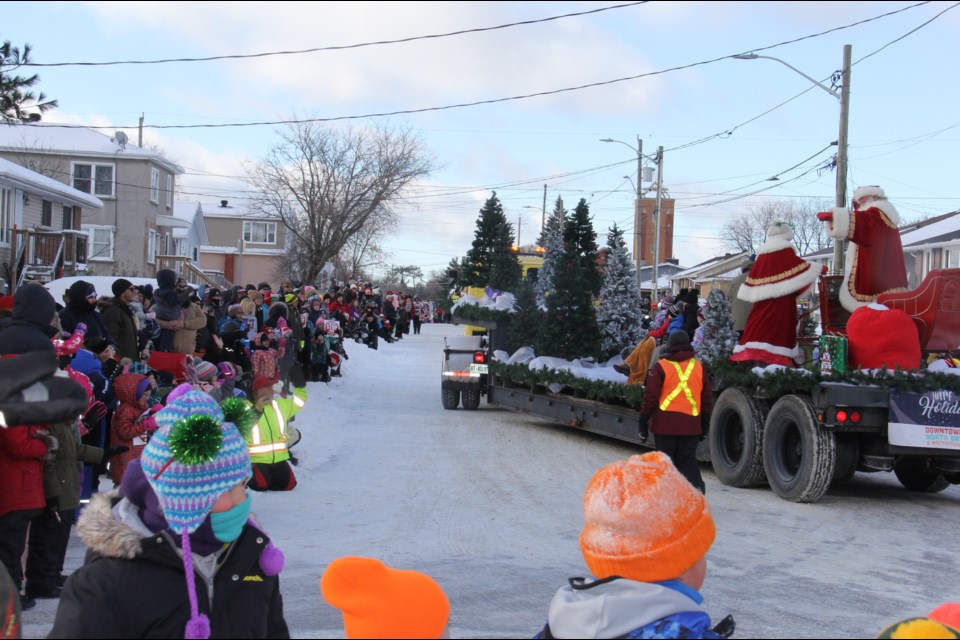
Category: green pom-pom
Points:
column 239, row 413
column 196, row 439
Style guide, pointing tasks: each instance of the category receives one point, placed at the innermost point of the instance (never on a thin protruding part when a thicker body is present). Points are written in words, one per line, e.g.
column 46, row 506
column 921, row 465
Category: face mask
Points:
column 227, row 525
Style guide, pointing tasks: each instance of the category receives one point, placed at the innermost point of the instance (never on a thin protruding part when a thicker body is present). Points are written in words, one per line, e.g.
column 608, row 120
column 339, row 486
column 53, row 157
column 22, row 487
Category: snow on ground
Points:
column 489, row 503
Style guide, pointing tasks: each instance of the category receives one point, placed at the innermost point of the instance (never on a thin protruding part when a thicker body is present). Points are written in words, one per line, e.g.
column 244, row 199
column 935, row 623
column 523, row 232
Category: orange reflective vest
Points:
column 682, row 386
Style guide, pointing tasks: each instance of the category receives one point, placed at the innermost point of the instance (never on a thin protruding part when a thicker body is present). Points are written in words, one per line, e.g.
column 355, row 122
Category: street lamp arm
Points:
column 753, row 56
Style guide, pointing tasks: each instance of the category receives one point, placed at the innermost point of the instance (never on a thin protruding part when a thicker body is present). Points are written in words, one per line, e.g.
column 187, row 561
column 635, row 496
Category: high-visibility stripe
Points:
column 682, row 386
column 255, row 434
column 298, row 402
column 281, row 422
column 268, row 448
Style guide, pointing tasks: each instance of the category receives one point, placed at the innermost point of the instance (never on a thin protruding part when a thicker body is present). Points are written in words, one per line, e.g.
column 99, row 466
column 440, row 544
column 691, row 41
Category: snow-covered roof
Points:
column 229, row 211
column 38, row 184
column 941, row 229
column 47, row 138
column 712, row 263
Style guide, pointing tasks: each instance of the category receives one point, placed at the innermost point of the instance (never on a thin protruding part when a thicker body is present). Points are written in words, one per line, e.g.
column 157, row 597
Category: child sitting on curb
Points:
column 645, row 540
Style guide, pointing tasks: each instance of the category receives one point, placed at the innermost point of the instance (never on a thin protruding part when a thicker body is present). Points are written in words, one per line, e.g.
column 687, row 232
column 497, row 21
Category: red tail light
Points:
column 841, row 416
column 855, row 417
column 479, row 357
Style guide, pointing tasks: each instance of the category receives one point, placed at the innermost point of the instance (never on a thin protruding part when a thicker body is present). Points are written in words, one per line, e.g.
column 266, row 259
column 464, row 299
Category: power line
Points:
column 461, row 105
column 336, row 48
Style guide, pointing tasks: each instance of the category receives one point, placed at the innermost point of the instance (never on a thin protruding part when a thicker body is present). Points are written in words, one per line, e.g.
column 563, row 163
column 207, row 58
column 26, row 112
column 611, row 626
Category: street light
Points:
column 636, row 189
column 542, row 214
column 844, row 98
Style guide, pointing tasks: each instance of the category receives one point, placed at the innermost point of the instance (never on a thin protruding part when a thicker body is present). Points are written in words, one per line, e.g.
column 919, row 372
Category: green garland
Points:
column 726, row 374
column 467, row 312
column 239, row 413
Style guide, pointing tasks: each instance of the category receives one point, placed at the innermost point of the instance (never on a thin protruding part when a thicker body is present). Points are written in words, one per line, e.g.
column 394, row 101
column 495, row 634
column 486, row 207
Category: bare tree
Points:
column 364, row 250
column 748, row 231
column 325, row 185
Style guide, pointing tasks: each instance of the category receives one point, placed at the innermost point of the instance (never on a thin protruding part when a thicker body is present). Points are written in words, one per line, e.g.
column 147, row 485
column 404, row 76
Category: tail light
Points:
column 479, row 357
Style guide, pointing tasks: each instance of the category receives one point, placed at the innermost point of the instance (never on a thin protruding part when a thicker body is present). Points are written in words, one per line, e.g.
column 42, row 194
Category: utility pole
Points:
column 543, row 212
column 656, row 222
column 842, row 150
column 638, row 212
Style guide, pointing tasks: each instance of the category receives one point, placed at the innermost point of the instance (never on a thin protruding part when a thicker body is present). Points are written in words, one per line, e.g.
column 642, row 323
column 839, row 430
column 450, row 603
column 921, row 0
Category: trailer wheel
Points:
column 798, row 456
column 450, row 398
column 736, row 438
column 471, row 398
column 916, row 474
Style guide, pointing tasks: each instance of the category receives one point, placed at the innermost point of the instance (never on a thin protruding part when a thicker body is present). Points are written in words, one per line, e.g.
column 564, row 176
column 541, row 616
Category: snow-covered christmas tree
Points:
column 552, row 243
column 619, row 314
column 715, row 339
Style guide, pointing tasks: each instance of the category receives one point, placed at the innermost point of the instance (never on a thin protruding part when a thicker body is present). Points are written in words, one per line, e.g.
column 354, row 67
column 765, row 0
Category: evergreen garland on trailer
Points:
column 715, row 339
column 619, row 314
column 551, row 240
column 491, row 260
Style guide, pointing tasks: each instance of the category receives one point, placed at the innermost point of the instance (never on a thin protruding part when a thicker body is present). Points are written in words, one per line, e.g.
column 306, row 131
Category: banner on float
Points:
column 929, row 420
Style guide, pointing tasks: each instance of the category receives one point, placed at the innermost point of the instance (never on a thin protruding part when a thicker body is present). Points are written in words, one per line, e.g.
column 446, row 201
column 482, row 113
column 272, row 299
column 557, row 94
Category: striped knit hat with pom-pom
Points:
column 193, row 458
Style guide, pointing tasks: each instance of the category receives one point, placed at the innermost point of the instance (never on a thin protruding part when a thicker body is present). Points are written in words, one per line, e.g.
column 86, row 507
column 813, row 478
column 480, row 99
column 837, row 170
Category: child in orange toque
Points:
column 646, row 535
column 378, row 601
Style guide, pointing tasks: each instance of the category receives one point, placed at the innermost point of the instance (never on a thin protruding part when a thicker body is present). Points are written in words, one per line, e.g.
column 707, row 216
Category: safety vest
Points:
column 267, row 442
column 682, row 386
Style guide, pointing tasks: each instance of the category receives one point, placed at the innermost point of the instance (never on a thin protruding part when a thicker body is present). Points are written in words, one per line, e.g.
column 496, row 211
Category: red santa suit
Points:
column 874, row 261
column 773, row 284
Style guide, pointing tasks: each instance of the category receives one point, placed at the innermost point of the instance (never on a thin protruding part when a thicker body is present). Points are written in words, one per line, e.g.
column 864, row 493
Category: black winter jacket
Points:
column 134, row 587
column 29, row 329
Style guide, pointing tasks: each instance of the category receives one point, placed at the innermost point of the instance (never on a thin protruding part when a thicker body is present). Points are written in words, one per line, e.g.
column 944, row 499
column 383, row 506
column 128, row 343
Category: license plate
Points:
column 478, row 368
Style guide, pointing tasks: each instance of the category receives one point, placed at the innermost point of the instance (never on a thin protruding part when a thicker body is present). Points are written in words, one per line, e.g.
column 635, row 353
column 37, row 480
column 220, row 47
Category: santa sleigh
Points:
column 934, row 307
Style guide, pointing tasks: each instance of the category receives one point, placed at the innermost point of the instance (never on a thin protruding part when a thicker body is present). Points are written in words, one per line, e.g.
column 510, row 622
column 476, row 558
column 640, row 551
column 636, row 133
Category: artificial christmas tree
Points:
column 491, row 261
column 619, row 314
column 552, row 242
column 715, row 339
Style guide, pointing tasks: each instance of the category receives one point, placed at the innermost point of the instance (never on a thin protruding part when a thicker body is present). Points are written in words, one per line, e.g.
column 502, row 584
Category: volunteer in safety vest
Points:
column 267, row 441
column 677, row 402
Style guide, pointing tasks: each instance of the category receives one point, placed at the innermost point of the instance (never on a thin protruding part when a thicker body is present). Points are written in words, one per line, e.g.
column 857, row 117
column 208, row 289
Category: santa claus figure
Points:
column 773, row 284
column 874, row 262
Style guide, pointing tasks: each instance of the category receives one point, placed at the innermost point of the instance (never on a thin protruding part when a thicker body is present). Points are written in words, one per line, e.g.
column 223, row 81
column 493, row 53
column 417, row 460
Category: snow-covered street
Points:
column 488, row 502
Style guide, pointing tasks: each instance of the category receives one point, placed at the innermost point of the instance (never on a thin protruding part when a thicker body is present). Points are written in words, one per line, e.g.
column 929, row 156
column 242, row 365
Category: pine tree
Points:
column 580, row 239
column 715, row 339
column 491, row 260
column 619, row 314
column 527, row 320
column 552, row 242
column 570, row 330
column 17, row 102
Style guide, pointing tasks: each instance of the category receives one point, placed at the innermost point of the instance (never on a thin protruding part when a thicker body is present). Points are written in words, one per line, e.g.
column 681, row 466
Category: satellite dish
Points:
column 121, row 138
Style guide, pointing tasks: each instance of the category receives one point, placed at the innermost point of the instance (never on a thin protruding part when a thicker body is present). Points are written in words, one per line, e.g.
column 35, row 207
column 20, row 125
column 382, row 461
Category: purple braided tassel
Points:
column 198, row 626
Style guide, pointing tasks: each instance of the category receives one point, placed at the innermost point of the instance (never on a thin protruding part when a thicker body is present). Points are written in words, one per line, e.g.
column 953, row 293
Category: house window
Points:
column 169, row 192
column 6, row 215
column 951, row 258
column 96, row 179
column 155, row 185
column 262, row 232
column 101, row 243
column 196, row 254
column 67, row 217
column 151, row 246
column 46, row 213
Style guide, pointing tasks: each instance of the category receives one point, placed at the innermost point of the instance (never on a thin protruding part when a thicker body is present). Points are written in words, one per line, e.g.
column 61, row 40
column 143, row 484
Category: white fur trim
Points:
column 769, row 348
column 847, row 301
column 779, row 289
column 888, row 210
column 876, row 306
column 774, row 244
column 841, row 223
column 780, row 230
column 870, row 190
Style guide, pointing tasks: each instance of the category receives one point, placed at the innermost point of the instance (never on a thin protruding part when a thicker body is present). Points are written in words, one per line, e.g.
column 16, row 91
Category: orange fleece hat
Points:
column 378, row 601
column 644, row 521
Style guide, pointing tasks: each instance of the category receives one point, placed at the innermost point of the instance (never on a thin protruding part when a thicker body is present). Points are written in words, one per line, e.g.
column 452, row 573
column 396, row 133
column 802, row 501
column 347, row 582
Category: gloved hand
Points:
column 704, row 426
column 297, row 377
column 113, row 451
column 150, row 424
column 825, row 216
column 81, row 328
column 96, row 412
column 53, row 507
column 51, row 443
column 644, row 427
column 150, row 315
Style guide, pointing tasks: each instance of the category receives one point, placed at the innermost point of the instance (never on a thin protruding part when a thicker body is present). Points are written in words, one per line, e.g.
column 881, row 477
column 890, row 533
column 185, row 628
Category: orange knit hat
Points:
column 380, row 602
column 644, row 521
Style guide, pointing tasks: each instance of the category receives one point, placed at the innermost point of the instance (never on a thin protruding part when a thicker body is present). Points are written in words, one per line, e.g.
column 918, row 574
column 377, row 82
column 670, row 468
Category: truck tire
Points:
column 736, row 438
column 450, row 398
column 471, row 399
column 916, row 474
column 848, row 457
column 799, row 457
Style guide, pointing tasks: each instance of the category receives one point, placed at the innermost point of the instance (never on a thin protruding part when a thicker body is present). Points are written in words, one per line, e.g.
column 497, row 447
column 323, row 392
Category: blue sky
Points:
column 903, row 117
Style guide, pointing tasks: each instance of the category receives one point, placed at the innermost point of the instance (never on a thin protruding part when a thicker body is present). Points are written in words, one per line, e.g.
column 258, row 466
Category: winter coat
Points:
column 132, row 583
column 675, row 423
column 185, row 340
column 61, row 478
column 79, row 309
column 30, row 329
column 21, row 469
column 621, row 608
column 121, row 324
column 127, row 428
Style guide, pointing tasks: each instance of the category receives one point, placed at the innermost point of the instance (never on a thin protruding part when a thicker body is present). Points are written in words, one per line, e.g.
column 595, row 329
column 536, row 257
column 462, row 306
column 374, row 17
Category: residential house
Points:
column 666, row 270
column 136, row 186
column 244, row 247
column 40, row 220
column 715, row 273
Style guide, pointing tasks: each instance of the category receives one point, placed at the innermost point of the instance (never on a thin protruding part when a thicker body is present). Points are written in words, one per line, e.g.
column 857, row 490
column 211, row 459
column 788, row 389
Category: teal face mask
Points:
column 227, row 525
